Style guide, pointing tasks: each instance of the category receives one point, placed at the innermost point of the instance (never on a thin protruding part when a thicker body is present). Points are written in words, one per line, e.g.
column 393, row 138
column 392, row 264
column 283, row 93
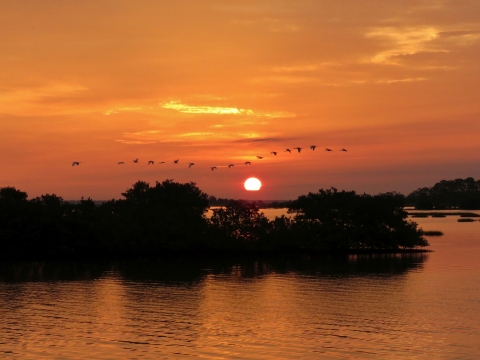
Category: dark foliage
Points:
column 238, row 225
column 447, row 194
column 341, row 221
column 170, row 217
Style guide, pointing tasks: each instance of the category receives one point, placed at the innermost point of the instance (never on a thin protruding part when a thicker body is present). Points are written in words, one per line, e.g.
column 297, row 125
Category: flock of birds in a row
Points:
column 274, row 153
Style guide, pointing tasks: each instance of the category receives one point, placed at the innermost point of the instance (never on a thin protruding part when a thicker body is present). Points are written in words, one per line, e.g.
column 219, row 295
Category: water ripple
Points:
column 246, row 310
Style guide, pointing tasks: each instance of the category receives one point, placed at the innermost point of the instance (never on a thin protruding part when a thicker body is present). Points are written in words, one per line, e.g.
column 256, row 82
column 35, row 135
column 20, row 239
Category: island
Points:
column 170, row 218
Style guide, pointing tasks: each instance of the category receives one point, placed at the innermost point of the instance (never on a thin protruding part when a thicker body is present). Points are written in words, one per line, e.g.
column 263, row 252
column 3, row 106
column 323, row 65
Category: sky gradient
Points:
column 222, row 81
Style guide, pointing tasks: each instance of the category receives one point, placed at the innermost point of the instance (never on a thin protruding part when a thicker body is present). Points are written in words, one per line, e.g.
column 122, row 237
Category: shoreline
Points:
column 212, row 254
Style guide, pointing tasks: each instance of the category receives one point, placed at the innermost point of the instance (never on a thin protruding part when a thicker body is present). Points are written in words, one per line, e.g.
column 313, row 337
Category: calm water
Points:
column 418, row 306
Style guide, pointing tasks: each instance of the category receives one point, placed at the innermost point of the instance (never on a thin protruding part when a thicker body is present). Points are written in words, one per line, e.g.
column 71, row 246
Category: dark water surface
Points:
column 412, row 306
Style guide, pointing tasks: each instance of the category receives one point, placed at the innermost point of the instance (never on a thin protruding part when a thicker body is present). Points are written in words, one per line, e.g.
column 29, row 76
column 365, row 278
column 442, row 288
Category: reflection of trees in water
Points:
column 51, row 271
column 183, row 270
column 353, row 265
column 190, row 270
column 174, row 271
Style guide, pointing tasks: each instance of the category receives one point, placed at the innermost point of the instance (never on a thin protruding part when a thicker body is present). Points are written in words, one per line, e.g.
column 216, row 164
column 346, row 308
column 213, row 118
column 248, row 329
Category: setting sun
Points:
column 252, row 184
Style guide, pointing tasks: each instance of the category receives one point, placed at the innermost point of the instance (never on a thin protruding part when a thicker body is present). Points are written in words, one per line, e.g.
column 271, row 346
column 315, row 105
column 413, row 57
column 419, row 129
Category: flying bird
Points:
column 259, row 157
column 274, row 153
column 151, row 162
column 213, row 168
column 345, row 150
column 135, row 161
column 176, row 161
column 313, row 147
column 231, row 165
column 248, row 163
column 76, row 163
column 298, row 148
column 190, row 165
column 327, row 149
column 121, row 162
column 288, row 150
column 162, row 162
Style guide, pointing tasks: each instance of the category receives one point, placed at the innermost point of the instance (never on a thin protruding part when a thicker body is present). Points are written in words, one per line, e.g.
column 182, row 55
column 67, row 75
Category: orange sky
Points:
column 221, row 81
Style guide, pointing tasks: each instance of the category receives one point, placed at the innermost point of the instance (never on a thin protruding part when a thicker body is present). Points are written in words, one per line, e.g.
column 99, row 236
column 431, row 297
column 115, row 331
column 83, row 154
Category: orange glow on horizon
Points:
column 105, row 82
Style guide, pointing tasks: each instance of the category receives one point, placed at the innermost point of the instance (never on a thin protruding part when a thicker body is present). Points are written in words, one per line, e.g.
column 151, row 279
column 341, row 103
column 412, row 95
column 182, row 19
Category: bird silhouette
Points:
column 274, row 153
column 213, row 168
column 135, row 161
column 327, row 149
column 75, row 163
column 162, row 162
column 313, row 147
column 344, row 150
column 248, row 163
column 190, row 165
column 230, row 166
column 176, row 161
column 259, row 157
column 151, row 162
column 121, row 162
column 298, row 148
column 288, row 150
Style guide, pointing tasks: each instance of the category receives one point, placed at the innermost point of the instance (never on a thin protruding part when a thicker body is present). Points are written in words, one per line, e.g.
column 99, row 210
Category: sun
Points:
column 252, row 184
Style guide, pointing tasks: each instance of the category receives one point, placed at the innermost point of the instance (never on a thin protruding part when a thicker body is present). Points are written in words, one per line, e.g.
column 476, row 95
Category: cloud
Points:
column 300, row 68
column 38, row 97
column 191, row 109
column 216, row 110
column 407, row 80
column 406, row 41
column 456, row 33
column 460, row 37
column 286, row 79
column 116, row 111
column 257, row 140
column 196, row 134
column 140, row 137
column 135, row 142
column 400, row 43
column 143, row 133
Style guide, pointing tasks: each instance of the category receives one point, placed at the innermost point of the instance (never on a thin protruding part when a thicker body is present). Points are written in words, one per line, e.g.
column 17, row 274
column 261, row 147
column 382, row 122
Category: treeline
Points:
column 447, row 194
column 170, row 217
column 277, row 204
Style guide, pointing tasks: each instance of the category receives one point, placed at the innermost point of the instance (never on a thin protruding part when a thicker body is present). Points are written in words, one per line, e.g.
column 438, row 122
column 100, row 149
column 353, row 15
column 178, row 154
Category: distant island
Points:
column 461, row 194
column 170, row 218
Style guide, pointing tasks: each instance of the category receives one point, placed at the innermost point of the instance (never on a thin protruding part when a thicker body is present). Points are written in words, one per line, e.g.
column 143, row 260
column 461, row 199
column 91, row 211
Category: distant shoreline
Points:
column 442, row 213
column 208, row 254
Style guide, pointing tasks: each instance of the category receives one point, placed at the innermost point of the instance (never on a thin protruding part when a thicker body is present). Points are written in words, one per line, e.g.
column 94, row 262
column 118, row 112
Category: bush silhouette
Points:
column 170, row 217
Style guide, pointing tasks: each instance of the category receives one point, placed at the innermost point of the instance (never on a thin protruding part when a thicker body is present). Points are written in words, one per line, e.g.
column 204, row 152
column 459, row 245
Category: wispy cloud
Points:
column 460, row 37
column 257, row 140
column 196, row 134
column 192, row 109
column 159, row 136
column 406, row 41
column 301, row 68
column 217, row 110
column 135, row 142
column 144, row 133
column 14, row 99
column 122, row 109
column 286, row 79
column 407, row 80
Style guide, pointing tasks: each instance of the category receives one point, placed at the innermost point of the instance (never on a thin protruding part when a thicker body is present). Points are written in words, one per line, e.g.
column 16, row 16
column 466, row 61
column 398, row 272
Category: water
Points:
column 419, row 306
